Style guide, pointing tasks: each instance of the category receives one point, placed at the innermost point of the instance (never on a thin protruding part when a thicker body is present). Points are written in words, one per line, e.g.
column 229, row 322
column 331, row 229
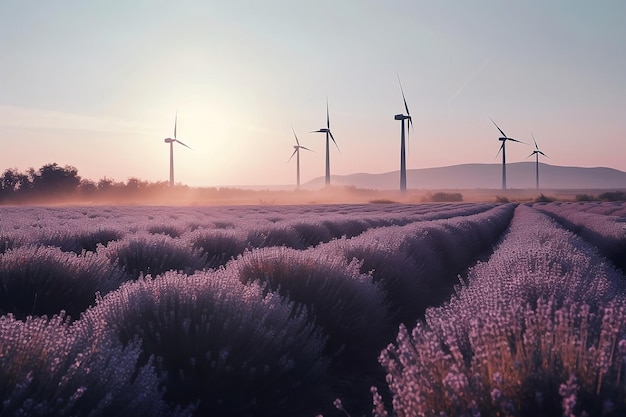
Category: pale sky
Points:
column 96, row 85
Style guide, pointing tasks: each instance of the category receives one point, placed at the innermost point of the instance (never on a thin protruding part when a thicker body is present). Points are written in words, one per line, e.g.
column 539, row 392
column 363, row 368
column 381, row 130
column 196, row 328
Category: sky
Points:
column 97, row 85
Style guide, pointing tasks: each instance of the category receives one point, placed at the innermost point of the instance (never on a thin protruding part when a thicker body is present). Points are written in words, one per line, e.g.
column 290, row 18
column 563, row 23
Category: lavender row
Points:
column 604, row 228
column 78, row 229
column 540, row 329
column 416, row 265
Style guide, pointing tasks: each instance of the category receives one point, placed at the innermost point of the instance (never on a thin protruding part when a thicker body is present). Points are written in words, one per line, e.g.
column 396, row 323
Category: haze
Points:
column 97, row 84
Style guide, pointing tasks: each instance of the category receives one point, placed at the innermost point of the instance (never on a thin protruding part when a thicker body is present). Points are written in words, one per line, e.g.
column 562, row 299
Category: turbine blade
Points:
column 500, row 150
column 530, row 155
column 176, row 140
column 543, row 154
column 304, row 147
column 175, row 122
column 334, row 141
column 503, row 134
column 317, row 131
column 327, row 115
column 294, row 135
column 536, row 147
column 515, row 140
column 294, row 152
column 406, row 107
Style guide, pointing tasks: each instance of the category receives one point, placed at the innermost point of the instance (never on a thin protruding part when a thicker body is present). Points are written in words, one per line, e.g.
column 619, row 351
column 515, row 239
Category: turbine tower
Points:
column 402, row 118
column 296, row 152
column 502, row 149
column 536, row 152
column 171, row 142
column 329, row 134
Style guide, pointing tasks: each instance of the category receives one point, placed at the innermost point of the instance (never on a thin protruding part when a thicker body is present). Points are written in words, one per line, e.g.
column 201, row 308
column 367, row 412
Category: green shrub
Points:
column 613, row 196
column 442, row 197
column 585, row 197
column 544, row 199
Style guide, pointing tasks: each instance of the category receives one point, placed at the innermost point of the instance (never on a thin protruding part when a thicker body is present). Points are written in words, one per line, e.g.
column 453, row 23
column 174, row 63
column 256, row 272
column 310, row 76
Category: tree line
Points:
column 53, row 182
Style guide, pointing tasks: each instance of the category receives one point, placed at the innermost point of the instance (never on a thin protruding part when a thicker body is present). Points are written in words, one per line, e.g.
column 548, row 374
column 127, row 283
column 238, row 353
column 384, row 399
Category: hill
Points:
column 520, row 175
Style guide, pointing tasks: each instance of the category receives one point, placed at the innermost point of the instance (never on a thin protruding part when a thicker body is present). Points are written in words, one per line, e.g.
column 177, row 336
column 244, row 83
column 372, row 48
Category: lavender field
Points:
column 464, row 309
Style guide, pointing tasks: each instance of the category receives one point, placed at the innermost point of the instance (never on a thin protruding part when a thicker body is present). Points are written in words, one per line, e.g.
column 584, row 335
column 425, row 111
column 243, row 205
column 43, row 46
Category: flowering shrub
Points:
column 218, row 246
column 44, row 281
column 165, row 229
column 274, row 235
column 8, row 242
column 402, row 280
column 48, row 368
column 311, row 234
column 78, row 241
column 142, row 254
column 221, row 344
column 345, row 303
column 538, row 361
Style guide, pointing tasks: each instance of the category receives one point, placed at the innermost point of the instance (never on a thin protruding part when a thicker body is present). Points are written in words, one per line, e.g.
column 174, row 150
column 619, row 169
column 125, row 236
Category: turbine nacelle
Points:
column 401, row 117
column 169, row 140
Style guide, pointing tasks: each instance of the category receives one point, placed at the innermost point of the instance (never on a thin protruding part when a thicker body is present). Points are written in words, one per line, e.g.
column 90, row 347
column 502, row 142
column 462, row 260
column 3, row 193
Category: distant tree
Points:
column 585, row 197
column 105, row 183
column 13, row 184
column 53, row 179
column 441, row 197
column 613, row 196
column 135, row 184
column 87, row 187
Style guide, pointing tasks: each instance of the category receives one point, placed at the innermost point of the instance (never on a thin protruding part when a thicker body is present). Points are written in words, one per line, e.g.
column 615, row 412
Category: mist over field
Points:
column 54, row 184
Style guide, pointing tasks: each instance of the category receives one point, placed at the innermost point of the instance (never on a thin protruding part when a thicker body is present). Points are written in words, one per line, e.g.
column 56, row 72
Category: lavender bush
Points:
column 538, row 361
column 80, row 240
column 218, row 246
column 48, row 368
column 220, row 344
column 142, row 254
column 345, row 303
column 45, row 281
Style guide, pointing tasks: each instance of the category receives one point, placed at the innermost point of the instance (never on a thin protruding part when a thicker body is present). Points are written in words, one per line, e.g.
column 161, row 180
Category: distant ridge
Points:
column 520, row 175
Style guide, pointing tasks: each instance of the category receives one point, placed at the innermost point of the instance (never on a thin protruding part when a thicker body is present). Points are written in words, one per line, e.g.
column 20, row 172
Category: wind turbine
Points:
column 402, row 118
column 171, row 142
column 329, row 134
column 536, row 152
column 502, row 149
column 296, row 152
